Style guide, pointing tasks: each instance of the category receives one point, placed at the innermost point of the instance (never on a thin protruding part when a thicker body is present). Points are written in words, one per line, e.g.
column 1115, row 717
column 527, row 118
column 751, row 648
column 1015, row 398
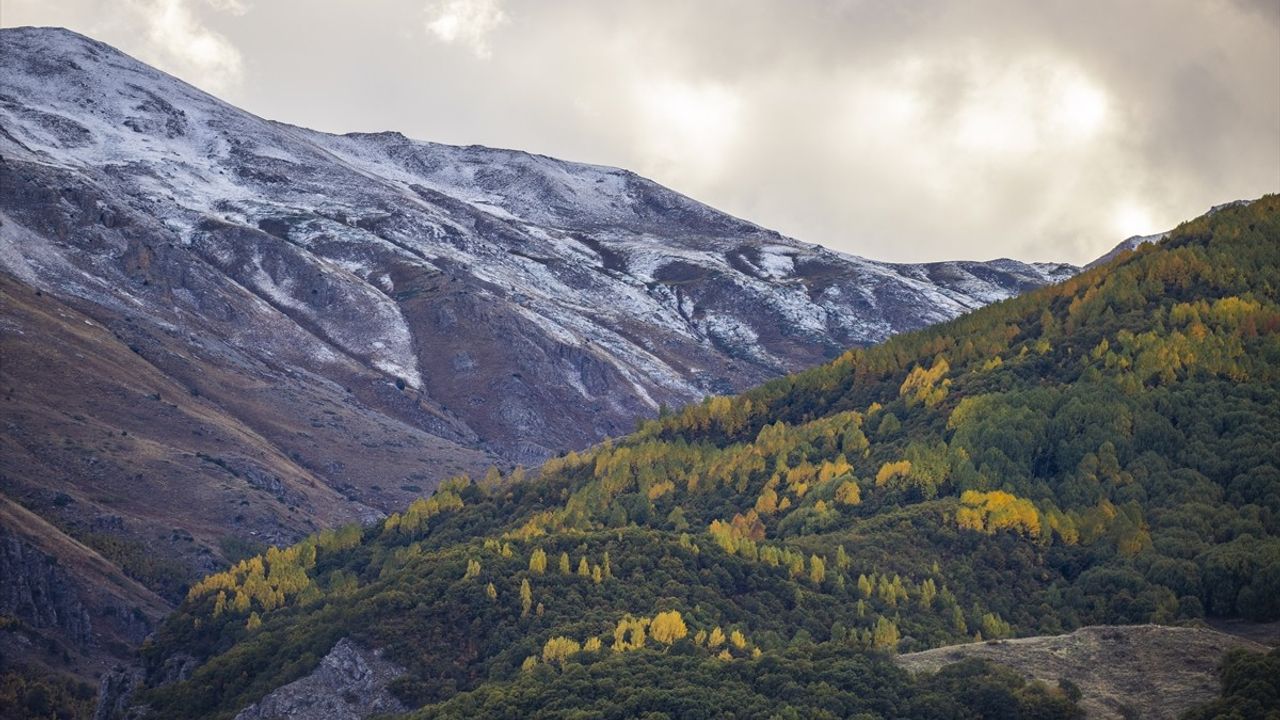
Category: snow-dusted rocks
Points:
column 521, row 302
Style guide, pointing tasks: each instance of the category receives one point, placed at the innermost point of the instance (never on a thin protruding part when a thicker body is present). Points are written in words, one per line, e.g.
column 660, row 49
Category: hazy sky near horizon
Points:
column 909, row 130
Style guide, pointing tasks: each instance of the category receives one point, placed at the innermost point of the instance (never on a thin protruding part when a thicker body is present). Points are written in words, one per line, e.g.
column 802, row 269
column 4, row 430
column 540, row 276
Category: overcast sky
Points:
column 904, row 130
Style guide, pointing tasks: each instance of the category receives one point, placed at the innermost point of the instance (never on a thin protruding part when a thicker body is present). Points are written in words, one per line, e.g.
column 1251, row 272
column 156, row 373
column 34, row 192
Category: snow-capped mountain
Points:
column 218, row 329
column 541, row 303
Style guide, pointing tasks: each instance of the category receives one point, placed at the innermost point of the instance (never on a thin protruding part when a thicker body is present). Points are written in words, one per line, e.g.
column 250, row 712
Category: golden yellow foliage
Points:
column 526, row 597
column 923, row 386
column 848, row 493
column 538, row 562
column 629, row 633
column 885, row 636
column 667, row 627
column 767, row 503
column 559, row 648
column 997, row 510
column 891, row 471
column 716, row 638
column 659, row 489
column 817, row 569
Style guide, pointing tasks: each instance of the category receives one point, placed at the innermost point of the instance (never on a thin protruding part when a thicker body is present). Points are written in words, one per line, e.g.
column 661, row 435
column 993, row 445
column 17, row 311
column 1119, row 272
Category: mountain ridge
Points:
column 561, row 195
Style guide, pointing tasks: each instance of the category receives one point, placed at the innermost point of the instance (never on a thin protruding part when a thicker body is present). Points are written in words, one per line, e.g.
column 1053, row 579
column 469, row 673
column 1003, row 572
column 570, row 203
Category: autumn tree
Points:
column 716, row 638
column 848, row 492
column 817, row 569
column 538, row 562
column 928, row 591
column 885, row 634
column 667, row 627
column 629, row 633
column 559, row 648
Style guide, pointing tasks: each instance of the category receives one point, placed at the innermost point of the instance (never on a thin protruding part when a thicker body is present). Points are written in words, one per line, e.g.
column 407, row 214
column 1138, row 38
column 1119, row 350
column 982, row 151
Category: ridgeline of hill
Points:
column 1103, row 451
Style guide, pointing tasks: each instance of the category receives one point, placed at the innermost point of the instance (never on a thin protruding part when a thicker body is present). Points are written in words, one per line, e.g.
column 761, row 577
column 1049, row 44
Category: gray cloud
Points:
column 908, row 131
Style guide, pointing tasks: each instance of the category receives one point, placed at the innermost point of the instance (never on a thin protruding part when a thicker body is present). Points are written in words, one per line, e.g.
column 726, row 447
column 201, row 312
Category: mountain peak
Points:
column 636, row 295
column 312, row 328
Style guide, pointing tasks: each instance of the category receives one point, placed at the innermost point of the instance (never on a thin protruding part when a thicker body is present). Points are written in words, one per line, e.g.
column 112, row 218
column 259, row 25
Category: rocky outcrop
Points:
column 70, row 608
column 37, row 591
column 350, row 684
column 115, row 694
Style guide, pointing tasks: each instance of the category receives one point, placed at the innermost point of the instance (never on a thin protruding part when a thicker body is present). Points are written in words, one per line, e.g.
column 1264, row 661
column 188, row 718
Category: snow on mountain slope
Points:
column 538, row 303
column 1137, row 241
column 1132, row 243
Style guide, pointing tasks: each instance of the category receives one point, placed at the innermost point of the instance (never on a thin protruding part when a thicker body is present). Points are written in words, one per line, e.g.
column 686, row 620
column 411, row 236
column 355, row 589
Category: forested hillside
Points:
column 1102, row 451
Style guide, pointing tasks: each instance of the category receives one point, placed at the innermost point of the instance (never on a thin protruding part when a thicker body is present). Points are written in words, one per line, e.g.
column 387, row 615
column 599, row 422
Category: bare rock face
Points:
column 34, row 589
column 115, row 692
column 69, row 608
column 1147, row 671
column 350, row 684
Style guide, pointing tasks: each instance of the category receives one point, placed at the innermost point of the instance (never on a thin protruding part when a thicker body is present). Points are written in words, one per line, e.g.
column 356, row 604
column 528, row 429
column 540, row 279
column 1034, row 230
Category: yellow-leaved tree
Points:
column 526, row 597
column 557, row 649
column 668, row 627
column 885, row 636
column 716, row 638
column 817, row 569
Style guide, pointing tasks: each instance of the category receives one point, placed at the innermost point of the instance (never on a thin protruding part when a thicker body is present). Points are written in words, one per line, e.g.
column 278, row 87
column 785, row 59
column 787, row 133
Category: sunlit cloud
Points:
column 235, row 7
column 1130, row 218
column 686, row 129
column 992, row 106
column 466, row 22
column 904, row 131
column 178, row 41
